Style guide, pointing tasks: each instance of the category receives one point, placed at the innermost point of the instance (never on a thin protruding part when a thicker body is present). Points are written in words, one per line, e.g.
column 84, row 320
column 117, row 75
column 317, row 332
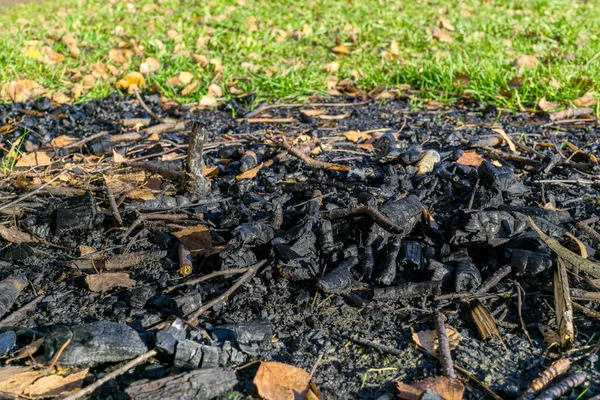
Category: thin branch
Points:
column 193, row 318
column 146, row 108
column 224, row 272
column 444, row 346
column 142, row 358
column 370, row 211
column 310, row 162
column 33, row 192
column 113, row 204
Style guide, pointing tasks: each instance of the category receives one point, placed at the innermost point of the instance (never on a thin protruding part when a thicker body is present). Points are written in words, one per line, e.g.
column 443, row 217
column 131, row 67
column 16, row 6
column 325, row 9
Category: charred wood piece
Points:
column 10, row 289
column 408, row 290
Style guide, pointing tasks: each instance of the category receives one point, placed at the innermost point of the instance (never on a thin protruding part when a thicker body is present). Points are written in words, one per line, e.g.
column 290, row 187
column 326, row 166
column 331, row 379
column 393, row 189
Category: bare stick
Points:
column 562, row 387
column 310, row 162
column 83, row 141
column 557, row 368
column 59, row 353
column 142, row 358
column 224, row 272
column 574, row 259
column 520, row 292
column 199, row 185
column 146, row 108
column 444, row 346
column 193, row 318
column 494, row 279
column 591, row 232
column 266, row 107
column 370, row 211
column 113, row 204
column 17, row 315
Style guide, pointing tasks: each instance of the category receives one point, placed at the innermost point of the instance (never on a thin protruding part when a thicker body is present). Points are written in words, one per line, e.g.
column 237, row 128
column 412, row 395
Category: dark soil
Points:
column 309, row 320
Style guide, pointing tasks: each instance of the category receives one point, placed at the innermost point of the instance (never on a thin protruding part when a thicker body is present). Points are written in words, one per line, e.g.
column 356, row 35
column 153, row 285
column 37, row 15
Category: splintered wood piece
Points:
column 563, row 306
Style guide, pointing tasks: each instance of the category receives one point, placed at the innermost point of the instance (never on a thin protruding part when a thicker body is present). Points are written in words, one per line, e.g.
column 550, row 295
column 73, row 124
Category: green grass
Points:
column 279, row 48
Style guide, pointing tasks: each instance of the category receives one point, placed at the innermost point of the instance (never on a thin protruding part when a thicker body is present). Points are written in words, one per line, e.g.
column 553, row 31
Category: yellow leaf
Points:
column 36, row 158
column 211, row 172
column 132, row 78
column 33, row 53
column 278, row 381
column 250, row 174
column 196, row 238
column 355, row 136
column 340, row 50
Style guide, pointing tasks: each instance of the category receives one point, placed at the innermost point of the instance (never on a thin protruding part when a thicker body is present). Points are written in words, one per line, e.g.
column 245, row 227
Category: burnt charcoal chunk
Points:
column 499, row 178
column 244, row 332
column 491, row 227
column 237, row 258
column 252, row 234
column 167, row 338
column 340, row 279
column 405, row 212
column 93, row 344
column 200, row 384
column 537, row 213
column 75, row 214
column 408, row 291
column 188, row 354
column 8, row 340
column 411, row 255
column 188, row 303
column 10, row 289
column 305, row 245
column 527, row 262
column 22, row 253
column 388, row 273
column 140, row 296
column 468, row 277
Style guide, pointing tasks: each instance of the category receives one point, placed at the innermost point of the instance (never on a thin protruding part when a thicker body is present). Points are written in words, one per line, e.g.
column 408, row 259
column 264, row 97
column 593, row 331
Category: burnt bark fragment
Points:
column 201, row 384
column 499, row 178
column 411, row 256
column 408, row 291
column 75, row 214
column 340, row 280
column 468, row 277
column 199, row 186
column 528, row 262
column 388, row 273
column 187, row 303
column 93, row 344
column 248, row 335
column 10, row 289
column 167, row 338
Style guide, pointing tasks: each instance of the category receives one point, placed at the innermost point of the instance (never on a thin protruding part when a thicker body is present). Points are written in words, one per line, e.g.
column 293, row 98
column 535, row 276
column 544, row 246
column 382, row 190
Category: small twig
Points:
column 33, row 192
column 266, row 107
column 193, row 318
column 591, row 232
column 224, row 272
column 557, row 368
column 493, row 280
column 146, row 108
column 574, row 259
column 520, row 292
column 83, row 141
column 370, row 211
column 59, row 353
column 117, row 372
column 562, row 387
column 313, row 370
column 16, row 316
column 113, row 204
column 472, row 198
column 444, row 346
column 310, row 162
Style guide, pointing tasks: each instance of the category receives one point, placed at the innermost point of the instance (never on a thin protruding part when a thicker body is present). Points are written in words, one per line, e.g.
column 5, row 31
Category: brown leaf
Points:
column 525, row 61
column 120, row 55
column 332, row 67
column 196, row 238
column 446, row 388
column 444, row 23
column 71, row 43
column 484, row 321
column 433, row 105
column 16, row 379
column 23, row 90
column 546, row 105
column 340, row 50
column 150, row 65
column 25, row 352
column 515, row 82
column 61, row 98
column 118, row 157
column 200, row 59
column 428, row 340
column 470, row 158
column 141, row 195
column 355, row 136
column 54, row 385
column 208, row 101
column 441, row 35
column 131, row 79
column 185, row 77
column 250, row 174
column 189, row 88
column 100, row 283
column 461, row 79
column 50, row 56
column 278, row 381
column 85, row 250
column 585, row 101
column 34, row 159
column 63, row 140
column 14, row 235
column 215, row 90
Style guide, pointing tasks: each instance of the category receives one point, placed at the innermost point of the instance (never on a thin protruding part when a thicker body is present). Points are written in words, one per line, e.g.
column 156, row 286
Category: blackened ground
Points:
column 304, row 326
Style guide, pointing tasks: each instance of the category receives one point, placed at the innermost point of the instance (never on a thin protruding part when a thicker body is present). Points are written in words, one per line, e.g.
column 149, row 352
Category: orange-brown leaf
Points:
column 470, row 158
column 250, row 174
column 278, row 381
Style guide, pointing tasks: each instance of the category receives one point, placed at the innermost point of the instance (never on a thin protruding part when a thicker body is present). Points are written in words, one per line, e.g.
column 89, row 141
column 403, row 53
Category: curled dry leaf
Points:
column 586, row 100
column 525, row 61
column 428, row 340
column 23, row 90
column 446, row 388
column 189, row 88
column 150, row 64
column 511, row 146
column 215, row 90
column 185, row 77
column 63, row 140
column 546, row 105
column 250, row 174
column 200, row 59
column 442, row 36
column 444, row 23
column 131, row 79
column 355, row 136
column 278, row 381
column 208, row 101
column 470, row 158
column 340, row 50
column 196, row 238
column 71, row 44
column 104, row 282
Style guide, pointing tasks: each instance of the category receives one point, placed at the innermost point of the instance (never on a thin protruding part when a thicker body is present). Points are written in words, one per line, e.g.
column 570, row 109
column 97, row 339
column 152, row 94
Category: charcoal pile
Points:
column 325, row 250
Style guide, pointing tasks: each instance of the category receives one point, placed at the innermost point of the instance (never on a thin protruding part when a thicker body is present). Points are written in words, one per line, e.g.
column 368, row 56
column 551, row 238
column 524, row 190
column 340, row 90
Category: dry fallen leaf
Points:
column 278, row 381
column 16, row 379
column 585, row 101
column 131, row 79
column 250, row 174
column 215, row 90
column 189, row 88
column 332, row 67
column 150, row 64
column 446, row 388
column 515, row 82
column 470, row 158
column 444, row 23
column 71, row 43
column 340, row 50
column 511, row 146
column 63, row 140
column 36, row 158
column 196, row 238
column 551, row 337
column 546, row 105
column 104, row 282
column 50, row 57
column 23, row 90
column 355, row 136
column 185, row 77
column 428, row 340
column 461, row 79
column 208, row 101
column 141, row 195
column 525, row 61
column 441, row 35
column 118, row 157
column 200, row 59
